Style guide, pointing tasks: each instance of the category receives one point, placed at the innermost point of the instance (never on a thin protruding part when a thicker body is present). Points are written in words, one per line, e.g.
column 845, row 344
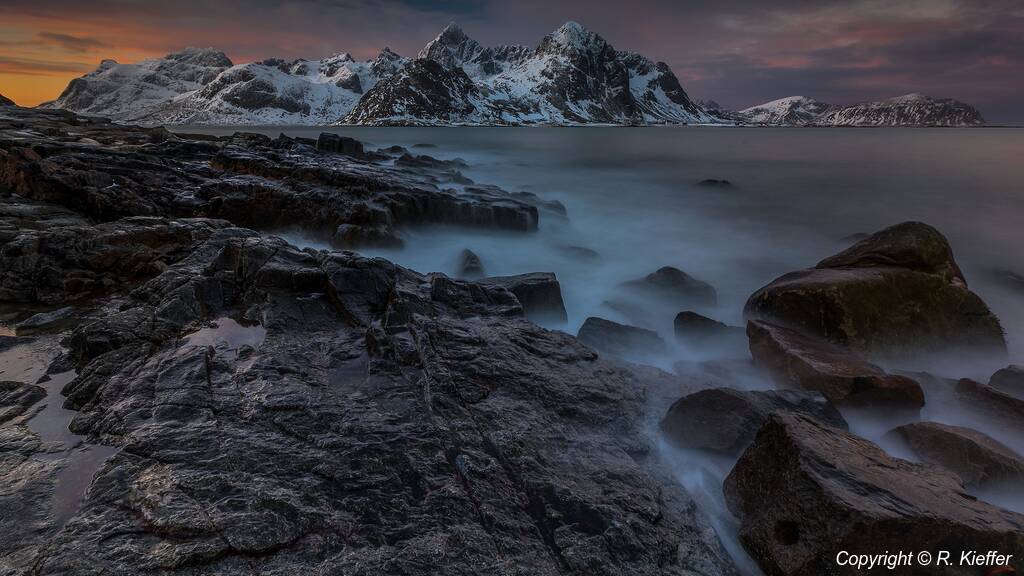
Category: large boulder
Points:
column 673, row 285
column 538, row 292
column 806, row 492
column 1009, row 380
column 998, row 405
column 977, row 458
column 620, row 339
column 795, row 359
column 700, row 331
column 726, row 420
column 327, row 142
column 896, row 293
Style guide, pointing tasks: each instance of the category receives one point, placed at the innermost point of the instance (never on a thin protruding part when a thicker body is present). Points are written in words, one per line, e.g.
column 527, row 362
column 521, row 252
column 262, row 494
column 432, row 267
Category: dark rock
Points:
column 470, row 265
column 579, row 252
column 804, row 490
column 328, row 142
column 539, row 292
column 999, row 405
column 797, row 360
column 696, row 330
column 977, row 458
column 16, row 398
column 4, row 101
column 674, row 285
column 726, row 420
column 619, row 339
column 1009, row 380
column 713, row 183
column 897, row 293
column 44, row 320
column 248, row 179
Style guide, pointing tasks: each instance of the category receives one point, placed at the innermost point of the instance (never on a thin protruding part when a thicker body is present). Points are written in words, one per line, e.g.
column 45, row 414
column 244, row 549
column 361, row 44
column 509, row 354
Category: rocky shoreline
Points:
column 233, row 404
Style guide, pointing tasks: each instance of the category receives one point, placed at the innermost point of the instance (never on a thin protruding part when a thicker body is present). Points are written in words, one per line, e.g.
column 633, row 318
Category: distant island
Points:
column 573, row 77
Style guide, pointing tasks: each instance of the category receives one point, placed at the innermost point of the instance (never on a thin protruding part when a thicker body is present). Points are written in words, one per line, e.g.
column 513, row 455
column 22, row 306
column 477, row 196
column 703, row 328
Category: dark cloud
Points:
column 72, row 43
column 33, row 67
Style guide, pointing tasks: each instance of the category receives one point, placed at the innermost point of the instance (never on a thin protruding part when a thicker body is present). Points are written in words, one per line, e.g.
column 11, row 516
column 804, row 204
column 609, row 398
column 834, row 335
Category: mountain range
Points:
column 573, row 77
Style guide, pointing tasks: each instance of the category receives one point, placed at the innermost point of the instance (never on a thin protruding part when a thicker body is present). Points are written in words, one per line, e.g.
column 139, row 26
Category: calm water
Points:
column 631, row 195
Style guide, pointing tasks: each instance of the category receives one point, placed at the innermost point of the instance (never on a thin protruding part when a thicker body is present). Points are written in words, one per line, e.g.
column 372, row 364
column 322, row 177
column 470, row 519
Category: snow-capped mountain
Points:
column 906, row 110
column 132, row 92
column 204, row 87
column 573, row 77
column 791, row 111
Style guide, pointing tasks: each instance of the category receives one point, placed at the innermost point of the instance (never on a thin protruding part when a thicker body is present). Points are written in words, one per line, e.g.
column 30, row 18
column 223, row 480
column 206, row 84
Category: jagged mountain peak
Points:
column 210, row 57
column 573, row 36
column 452, row 47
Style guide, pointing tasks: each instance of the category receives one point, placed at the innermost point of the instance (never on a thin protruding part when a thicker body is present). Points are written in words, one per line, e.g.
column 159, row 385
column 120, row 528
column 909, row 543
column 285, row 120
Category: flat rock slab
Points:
column 976, row 457
column 620, row 339
column 804, row 491
column 797, row 360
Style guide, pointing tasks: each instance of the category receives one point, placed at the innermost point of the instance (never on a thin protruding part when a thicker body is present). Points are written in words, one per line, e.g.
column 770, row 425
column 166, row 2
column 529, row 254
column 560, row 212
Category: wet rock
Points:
column 247, row 179
column 696, row 330
column 675, row 286
column 510, row 446
column 470, row 265
column 897, row 293
column 579, row 252
column 726, row 420
column 539, row 292
column 999, row 405
column 44, row 320
column 17, row 397
column 804, row 490
column 620, row 339
column 1009, row 380
column 977, row 458
column 327, row 142
column 797, row 360
column 713, row 183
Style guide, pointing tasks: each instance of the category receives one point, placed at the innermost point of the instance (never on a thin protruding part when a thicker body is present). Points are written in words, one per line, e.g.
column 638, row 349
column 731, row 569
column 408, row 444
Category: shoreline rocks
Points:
column 797, row 360
column 804, row 491
column 673, row 285
column 538, row 292
column 898, row 293
column 620, row 339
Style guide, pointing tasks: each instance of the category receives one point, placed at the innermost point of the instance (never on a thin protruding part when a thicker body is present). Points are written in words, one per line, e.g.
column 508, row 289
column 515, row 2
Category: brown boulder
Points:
column 805, row 492
column 1009, row 380
column 797, row 360
column 726, row 420
column 1001, row 406
column 977, row 458
column 898, row 292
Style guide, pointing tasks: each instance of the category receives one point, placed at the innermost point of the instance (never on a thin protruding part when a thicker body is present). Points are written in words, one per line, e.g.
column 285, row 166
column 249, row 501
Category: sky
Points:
column 736, row 52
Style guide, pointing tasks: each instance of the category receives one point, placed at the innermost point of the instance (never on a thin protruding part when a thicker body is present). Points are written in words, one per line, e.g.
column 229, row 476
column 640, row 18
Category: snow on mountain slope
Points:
column 907, row 110
column 573, row 77
column 131, row 92
column 790, row 111
column 278, row 92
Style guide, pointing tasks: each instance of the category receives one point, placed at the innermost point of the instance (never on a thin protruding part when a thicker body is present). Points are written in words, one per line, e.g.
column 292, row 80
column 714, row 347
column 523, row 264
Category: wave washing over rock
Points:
column 231, row 403
column 573, row 77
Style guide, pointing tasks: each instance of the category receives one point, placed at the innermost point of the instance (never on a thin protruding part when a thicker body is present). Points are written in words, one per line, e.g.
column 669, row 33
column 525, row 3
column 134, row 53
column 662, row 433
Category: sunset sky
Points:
column 737, row 52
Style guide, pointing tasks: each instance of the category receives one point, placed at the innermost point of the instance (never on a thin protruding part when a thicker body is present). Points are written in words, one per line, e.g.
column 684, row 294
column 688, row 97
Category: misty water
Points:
column 632, row 195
